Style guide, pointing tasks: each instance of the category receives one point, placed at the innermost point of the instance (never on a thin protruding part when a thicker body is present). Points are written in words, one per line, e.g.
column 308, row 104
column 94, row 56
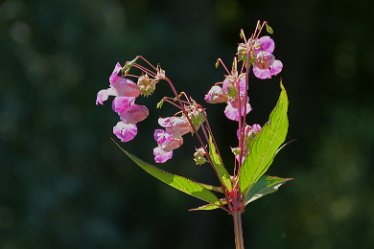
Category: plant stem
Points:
column 238, row 230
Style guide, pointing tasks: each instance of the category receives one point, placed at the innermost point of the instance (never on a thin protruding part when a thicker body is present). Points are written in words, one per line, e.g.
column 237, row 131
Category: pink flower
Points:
column 170, row 138
column 120, row 104
column 124, row 91
column 266, row 44
column 266, row 66
column 134, row 114
column 229, row 85
column 178, row 126
column 125, row 132
column 161, row 155
column 249, row 130
column 232, row 109
column 119, row 86
column 167, row 141
column 216, row 95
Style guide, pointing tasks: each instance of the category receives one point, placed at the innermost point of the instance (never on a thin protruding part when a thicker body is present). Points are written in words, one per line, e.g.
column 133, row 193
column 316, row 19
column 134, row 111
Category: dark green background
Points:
column 63, row 183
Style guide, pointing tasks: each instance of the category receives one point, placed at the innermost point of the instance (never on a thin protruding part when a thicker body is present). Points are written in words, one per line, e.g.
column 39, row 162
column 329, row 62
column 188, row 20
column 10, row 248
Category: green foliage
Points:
column 209, row 206
column 265, row 145
column 264, row 186
column 220, row 169
column 185, row 185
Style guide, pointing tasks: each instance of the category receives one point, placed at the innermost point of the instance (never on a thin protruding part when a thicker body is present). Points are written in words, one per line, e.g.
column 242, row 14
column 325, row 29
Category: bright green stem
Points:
column 238, row 230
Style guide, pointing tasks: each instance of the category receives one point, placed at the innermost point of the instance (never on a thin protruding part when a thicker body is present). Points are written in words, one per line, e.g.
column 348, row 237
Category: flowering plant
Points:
column 257, row 146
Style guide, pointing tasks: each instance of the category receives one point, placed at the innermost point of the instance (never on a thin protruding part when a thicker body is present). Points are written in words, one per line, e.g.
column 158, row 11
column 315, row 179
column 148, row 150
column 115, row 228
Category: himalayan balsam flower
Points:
column 265, row 65
column 125, row 92
column 177, row 126
column 229, row 94
column 166, row 142
column 249, row 133
column 170, row 138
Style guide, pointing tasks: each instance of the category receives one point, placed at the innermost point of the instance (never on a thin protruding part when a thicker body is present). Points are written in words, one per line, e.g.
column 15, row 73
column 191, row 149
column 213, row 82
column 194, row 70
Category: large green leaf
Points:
column 265, row 145
column 266, row 185
column 220, row 169
column 181, row 183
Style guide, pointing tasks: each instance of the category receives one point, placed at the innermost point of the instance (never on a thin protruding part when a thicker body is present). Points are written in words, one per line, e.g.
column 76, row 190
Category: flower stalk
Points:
column 238, row 230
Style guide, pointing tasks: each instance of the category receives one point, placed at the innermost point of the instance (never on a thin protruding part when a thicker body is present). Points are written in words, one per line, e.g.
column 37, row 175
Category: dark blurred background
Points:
column 64, row 184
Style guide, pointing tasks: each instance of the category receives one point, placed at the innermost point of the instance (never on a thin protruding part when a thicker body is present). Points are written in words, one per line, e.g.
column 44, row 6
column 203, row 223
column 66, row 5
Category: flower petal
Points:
column 261, row 73
column 104, row 94
column 267, row 44
column 125, row 132
column 121, row 103
column 276, row 68
column 161, row 156
column 114, row 76
column 232, row 110
column 134, row 114
column 215, row 95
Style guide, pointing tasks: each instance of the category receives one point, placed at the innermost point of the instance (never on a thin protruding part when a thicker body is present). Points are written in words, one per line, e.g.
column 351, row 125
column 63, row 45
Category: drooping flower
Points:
column 134, row 114
column 161, row 155
column 119, row 87
column 235, row 99
column 216, row 95
column 178, row 126
column 124, row 91
column 124, row 131
column 230, row 86
column 249, row 134
column 232, row 111
column 167, row 141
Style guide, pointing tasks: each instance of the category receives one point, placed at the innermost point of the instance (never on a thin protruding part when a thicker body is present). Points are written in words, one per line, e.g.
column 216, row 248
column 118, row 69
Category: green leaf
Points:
column 266, row 185
column 265, row 144
column 220, row 169
column 209, row 206
column 269, row 29
column 181, row 183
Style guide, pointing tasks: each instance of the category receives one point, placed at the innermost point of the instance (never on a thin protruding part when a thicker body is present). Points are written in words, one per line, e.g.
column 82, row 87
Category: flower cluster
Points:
column 170, row 138
column 233, row 93
column 255, row 52
column 125, row 91
column 261, row 56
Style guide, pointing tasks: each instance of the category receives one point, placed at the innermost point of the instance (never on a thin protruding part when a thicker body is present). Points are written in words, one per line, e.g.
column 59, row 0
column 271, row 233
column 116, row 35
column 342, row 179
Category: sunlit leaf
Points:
column 265, row 145
column 266, row 185
column 181, row 183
